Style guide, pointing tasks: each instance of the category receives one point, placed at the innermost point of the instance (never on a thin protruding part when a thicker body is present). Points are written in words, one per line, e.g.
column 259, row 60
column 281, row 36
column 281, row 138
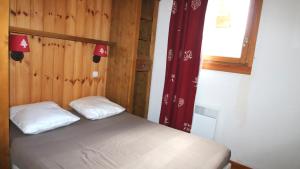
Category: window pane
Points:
column 225, row 26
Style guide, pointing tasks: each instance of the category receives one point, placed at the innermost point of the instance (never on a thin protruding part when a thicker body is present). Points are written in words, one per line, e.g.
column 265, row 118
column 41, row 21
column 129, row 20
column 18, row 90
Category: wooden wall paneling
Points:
column 145, row 57
column 13, row 12
column 89, row 32
column 145, row 30
column 58, row 51
column 52, row 71
column 80, row 17
column 143, row 49
column 49, row 15
column 97, row 82
column 121, row 64
column 4, row 87
column 94, row 67
column 87, row 61
column 105, row 13
column 37, row 14
column 141, row 76
column 102, row 79
column 89, row 17
column 151, row 56
column 47, row 69
column 147, row 9
column 12, row 82
column 23, row 13
column 140, row 93
column 77, row 74
column 22, row 69
column 22, row 83
column 58, row 71
column 36, row 45
column 36, row 53
column 60, row 15
column 99, row 26
column 12, row 67
column 106, row 19
column 98, row 5
column 48, row 50
column 71, row 9
column 68, row 73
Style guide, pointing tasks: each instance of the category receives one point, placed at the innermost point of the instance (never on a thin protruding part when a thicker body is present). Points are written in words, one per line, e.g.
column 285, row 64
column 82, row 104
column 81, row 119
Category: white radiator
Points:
column 204, row 122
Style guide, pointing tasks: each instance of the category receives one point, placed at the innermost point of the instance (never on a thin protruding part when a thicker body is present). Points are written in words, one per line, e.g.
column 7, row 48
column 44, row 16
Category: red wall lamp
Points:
column 100, row 51
column 17, row 45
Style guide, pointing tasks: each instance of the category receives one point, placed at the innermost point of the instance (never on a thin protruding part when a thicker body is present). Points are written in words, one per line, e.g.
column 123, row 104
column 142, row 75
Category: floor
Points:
column 235, row 165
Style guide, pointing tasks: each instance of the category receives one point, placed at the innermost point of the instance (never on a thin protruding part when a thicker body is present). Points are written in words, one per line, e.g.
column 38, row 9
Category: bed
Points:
column 123, row 141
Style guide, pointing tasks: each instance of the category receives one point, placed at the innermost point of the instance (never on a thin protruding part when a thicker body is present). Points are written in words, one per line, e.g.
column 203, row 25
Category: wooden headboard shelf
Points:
column 57, row 36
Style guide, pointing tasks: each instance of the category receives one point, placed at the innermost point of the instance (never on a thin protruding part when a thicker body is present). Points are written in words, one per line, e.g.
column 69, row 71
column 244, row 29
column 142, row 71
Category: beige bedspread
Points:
column 120, row 142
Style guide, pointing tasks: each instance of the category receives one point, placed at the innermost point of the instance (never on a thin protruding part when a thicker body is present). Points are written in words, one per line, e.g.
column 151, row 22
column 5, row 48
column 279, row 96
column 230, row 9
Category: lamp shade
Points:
column 18, row 43
column 101, row 50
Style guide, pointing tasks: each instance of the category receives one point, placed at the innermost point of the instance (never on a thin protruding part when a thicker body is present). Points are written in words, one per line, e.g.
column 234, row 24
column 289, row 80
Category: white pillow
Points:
column 96, row 107
column 40, row 117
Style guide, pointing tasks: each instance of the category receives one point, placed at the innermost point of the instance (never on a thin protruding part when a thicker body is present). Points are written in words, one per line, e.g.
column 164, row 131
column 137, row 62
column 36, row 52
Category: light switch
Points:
column 95, row 74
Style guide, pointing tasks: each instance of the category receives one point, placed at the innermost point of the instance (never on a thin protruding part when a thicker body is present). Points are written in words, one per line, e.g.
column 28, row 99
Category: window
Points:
column 229, row 35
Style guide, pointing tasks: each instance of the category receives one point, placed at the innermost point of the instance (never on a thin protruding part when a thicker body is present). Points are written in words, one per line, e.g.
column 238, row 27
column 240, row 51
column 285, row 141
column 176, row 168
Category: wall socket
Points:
column 95, row 74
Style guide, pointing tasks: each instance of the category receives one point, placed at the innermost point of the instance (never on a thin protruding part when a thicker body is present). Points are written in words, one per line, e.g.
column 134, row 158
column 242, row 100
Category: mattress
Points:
column 123, row 141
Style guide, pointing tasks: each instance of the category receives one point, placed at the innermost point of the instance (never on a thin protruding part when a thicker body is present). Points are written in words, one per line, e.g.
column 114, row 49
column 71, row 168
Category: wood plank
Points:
column 12, row 67
column 48, row 51
column 22, row 69
column 13, row 12
column 143, row 65
column 23, row 14
column 226, row 67
column 77, row 74
column 98, row 27
column 94, row 67
column 58, row 71
column 64, row 20
column 235, row 165
column 80, row 18
column 36, row 43
column 102, row 79
column 148, row 7
column 36, row 53
column 71, row 17
column 49, row 15
column 145, row 57
column 89, row 19
column 106, row 19
column 47, row 69
column 105, row 35
column 139, row 98
column 151, row 56
column 37, row 14
column 57, row 36
column 122, row 60
column 86, row 73
column 89, row 32
column 60, row 15
column 12, row 82
column 68, row 73
column 69, row 53
column 4, row 87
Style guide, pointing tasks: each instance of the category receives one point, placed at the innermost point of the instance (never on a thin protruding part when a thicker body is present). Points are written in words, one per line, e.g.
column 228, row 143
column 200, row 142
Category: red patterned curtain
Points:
column 183, row 61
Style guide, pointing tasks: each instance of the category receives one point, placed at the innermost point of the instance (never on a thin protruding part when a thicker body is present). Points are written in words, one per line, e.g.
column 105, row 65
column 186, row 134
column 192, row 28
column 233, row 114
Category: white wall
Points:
column 159, row 62
column 259, row 118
